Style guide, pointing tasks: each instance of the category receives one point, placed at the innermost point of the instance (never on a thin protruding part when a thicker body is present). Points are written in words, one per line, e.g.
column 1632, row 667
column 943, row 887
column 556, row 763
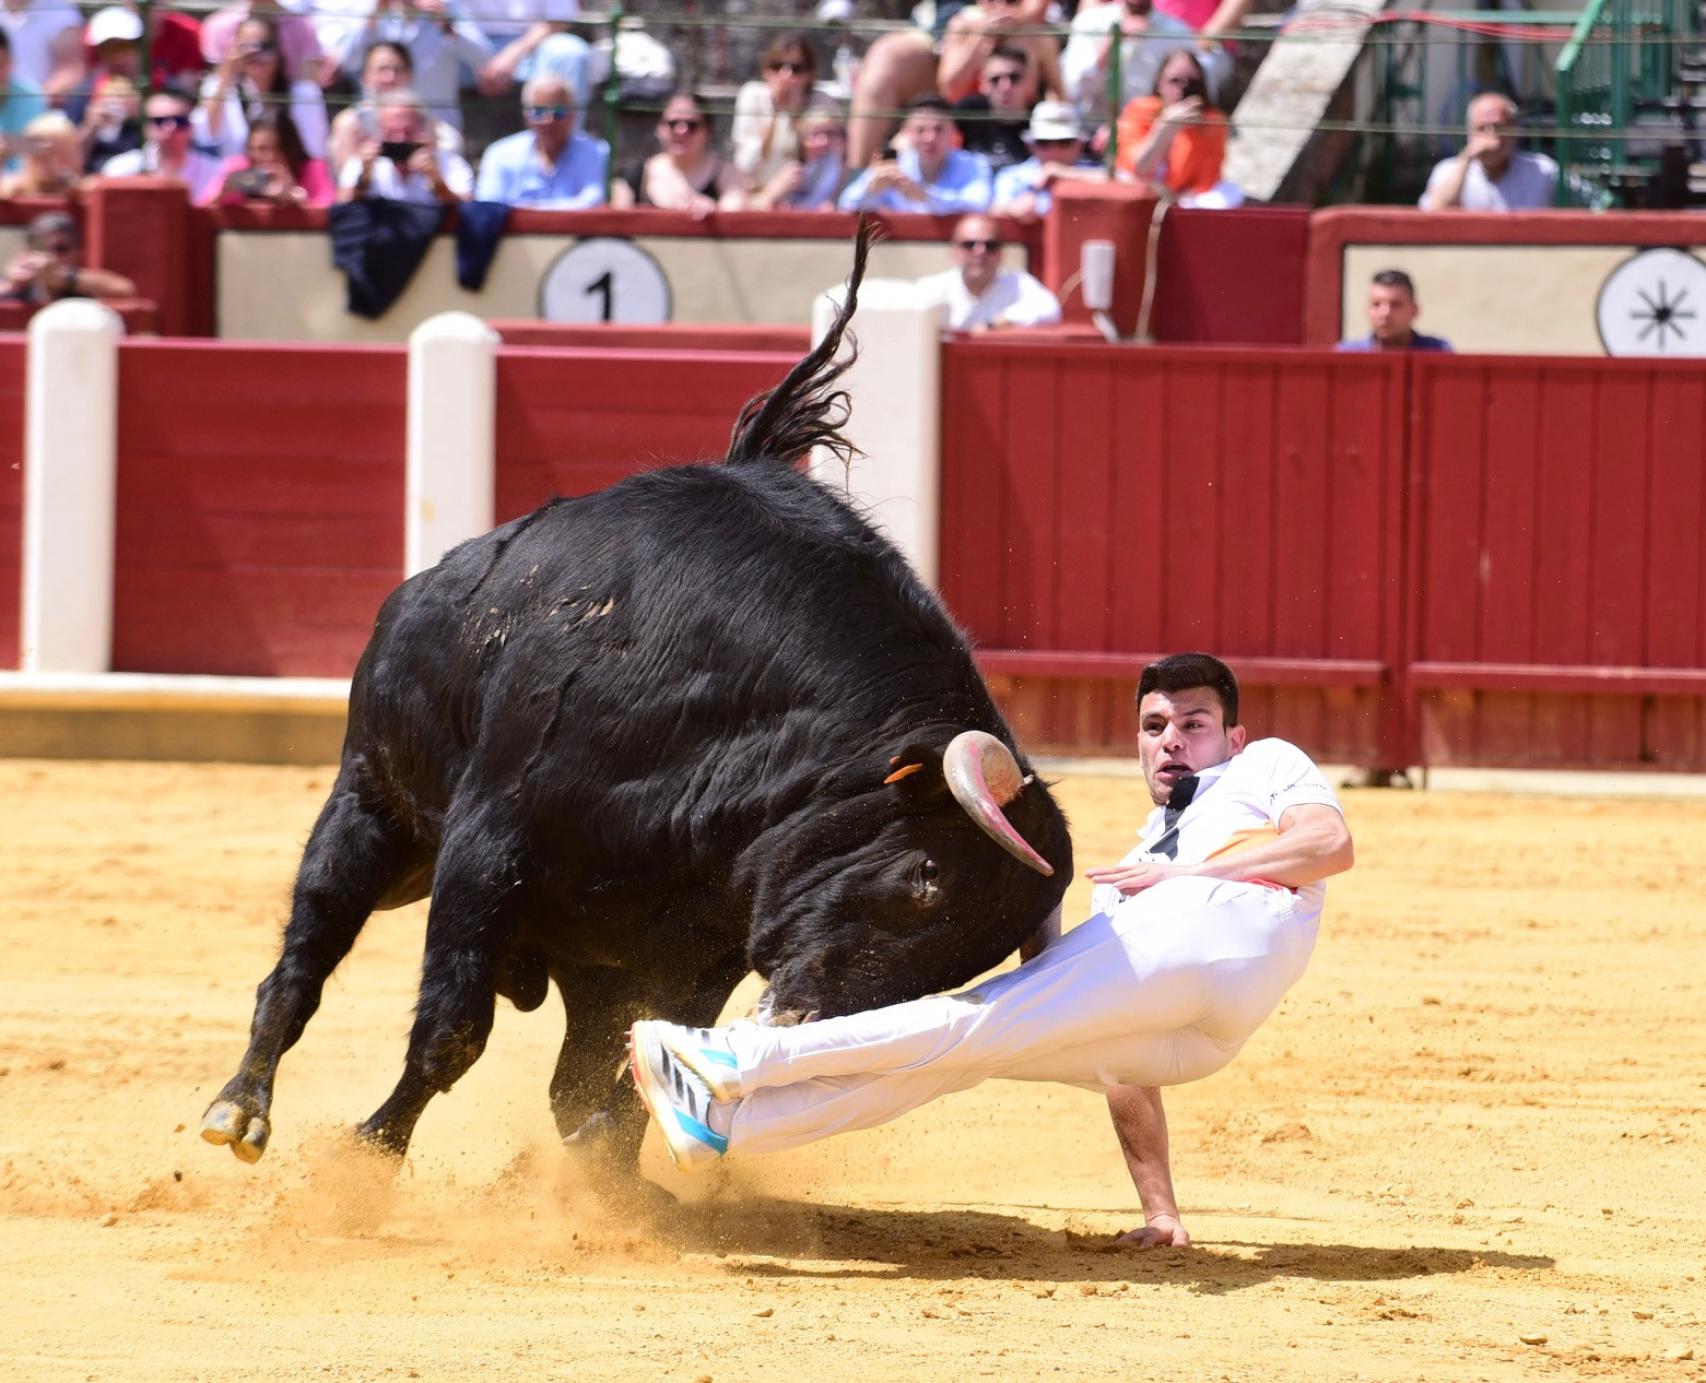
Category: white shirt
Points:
column 200, row 173
column 1249, row 793
column 1012, row 295
column 395, row 185
column 1140, row 58
column 307, row 113
column 1528, row 183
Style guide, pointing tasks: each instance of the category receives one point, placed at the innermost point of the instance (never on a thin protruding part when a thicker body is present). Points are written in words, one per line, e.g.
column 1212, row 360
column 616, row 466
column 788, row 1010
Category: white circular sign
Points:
column 604, row 280
column 1654, row 303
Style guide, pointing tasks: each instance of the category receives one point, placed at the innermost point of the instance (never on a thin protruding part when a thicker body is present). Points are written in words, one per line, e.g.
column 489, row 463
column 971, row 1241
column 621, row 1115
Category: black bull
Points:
column 639, row 742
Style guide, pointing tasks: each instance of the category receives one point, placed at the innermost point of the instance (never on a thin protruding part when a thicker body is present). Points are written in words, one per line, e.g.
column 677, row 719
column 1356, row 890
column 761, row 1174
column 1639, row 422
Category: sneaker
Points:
column 676, row 1098
column 707, row 1053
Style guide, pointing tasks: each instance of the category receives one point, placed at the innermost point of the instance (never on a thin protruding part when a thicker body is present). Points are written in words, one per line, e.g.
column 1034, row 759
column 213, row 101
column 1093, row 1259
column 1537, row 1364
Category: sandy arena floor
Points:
column 1468, row 1146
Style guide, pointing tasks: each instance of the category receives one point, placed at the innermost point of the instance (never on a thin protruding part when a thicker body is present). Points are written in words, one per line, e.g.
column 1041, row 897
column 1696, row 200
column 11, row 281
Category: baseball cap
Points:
column 1054, row 120
column 113, row 24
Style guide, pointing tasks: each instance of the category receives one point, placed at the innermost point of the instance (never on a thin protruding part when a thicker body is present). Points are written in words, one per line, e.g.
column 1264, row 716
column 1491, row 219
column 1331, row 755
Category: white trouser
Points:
column 1164, row 990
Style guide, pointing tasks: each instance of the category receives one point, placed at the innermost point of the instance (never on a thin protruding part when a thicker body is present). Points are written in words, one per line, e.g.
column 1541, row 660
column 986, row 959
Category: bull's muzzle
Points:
column 984, row 777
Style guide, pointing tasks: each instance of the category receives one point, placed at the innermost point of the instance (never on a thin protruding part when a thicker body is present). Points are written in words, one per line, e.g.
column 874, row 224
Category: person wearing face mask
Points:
column 1193, row 939
column 1174, row 137
column 547, row 165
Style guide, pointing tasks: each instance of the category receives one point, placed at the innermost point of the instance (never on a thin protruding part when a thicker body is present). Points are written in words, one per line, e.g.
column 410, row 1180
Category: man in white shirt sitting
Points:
column 1194, row 938
column 980, row 294
column 405, row 163
column 1488, row 173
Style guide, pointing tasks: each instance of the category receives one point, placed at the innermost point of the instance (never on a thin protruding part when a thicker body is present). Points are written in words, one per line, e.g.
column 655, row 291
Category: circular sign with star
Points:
column 1654, row 303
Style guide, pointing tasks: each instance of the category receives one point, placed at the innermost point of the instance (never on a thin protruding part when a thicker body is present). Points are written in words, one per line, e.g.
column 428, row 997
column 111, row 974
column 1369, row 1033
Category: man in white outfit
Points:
column 980, row 294
column 1194, row 938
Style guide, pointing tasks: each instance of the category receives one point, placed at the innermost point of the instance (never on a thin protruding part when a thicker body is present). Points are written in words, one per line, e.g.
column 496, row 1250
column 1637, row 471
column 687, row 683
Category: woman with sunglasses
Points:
column 765, row 134
column 250, row 82
column 1174, row 137
column 685, row 175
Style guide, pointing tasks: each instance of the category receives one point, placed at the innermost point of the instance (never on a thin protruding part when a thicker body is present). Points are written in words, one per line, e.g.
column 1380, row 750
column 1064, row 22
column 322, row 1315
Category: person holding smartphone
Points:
column 50, row 266
column 405, row 163
column 1174, row 137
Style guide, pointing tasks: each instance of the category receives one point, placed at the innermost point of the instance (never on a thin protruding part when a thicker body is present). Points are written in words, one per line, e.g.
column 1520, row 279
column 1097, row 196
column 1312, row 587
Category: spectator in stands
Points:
column 980, row 294
column 1392, row 313
column 547, row 164
column 274, row 167
column 20, row 102
column 47, row 269
column 1147, row 37
column 764, row 134
column 112, row 124
column 814, row 180
column 299, row 43
column 250, row 81
column 114, row 36
column 52, row 159
column 386, row 67
column 66, row 86
column 439, row 46
column 993, row 120
column 405, row 164
column 685, row 175
column 168, row 150
column 1056, row 140
column 1175, row 138
column 531, row 37
column 928, row 174
column 36, row 38
column 1489, row 173
column 900, row 67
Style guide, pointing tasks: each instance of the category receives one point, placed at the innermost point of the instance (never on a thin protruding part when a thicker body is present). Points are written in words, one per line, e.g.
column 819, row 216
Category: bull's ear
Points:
column 914, row 766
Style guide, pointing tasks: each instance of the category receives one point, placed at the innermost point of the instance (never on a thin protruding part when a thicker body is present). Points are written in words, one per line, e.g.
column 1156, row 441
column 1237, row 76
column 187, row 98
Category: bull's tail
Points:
column 806, row 410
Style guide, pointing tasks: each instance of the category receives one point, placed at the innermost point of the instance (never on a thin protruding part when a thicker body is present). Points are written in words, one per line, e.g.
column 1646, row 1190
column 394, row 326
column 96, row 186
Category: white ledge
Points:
column 148, row 691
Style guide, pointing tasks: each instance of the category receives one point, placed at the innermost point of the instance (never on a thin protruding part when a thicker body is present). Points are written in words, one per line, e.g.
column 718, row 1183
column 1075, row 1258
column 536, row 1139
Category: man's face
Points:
column 820, row 139
column 1003, row 82
column 1067, row 151
column 119, row 57
column 1391, row 311
column 550, row 114
column 977, row 251
column 929, row 136
column 1493, row 119
column 1180, row 733
column 168, row 124
column 400, row 125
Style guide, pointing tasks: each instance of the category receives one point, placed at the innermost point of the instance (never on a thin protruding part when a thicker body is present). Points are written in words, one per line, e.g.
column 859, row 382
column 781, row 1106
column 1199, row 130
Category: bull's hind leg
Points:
column 357, row 859
column 476, row 896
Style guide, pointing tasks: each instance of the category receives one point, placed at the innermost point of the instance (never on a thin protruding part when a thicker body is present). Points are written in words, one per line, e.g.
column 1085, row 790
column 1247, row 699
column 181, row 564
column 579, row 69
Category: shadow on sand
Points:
column 831, row 1241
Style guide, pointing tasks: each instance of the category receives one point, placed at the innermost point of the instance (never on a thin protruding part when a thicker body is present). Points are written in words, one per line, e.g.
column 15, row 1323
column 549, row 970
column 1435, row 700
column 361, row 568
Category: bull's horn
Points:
column 984, row 776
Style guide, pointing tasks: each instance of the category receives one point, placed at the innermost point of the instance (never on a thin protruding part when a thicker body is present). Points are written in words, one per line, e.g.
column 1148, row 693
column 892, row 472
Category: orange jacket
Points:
column 1193, row 159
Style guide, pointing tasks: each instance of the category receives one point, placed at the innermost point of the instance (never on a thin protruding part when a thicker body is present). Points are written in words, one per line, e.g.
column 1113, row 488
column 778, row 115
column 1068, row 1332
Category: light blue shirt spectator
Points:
column 20, row 104
column 1014, row 182
column 963, row 184
column 512, row 172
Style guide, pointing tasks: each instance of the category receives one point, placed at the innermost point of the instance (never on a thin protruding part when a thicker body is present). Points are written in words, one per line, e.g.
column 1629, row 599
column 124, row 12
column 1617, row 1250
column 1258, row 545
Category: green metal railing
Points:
column 1619, row 58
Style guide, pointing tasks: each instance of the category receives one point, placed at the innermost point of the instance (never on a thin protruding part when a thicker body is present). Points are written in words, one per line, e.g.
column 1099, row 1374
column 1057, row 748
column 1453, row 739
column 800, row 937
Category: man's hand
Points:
column 1162, row 1231
column 1481, row 143
column 1138, row 875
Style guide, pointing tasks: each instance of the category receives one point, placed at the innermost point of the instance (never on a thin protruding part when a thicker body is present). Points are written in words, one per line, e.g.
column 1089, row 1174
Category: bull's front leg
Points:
column 476, row 902
column 598, row 1111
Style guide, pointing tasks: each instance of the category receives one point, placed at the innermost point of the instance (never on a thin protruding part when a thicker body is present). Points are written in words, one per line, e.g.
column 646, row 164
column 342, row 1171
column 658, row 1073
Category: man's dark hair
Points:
column 1179, row 671
column 50, row 225
column 1009, row 53
column 1395, row 278
column 929, row 104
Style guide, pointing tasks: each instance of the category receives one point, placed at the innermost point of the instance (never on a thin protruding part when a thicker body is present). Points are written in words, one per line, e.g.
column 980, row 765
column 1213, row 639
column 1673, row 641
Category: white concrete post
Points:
column 70, row 478
column 897, row 407
column 452, row 444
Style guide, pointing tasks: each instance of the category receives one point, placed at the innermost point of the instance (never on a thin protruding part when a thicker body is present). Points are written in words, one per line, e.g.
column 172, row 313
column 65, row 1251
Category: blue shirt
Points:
column 20, row 103
column 1418, row 342
column 963, row 185
column 510, row 172
column 1013, row 183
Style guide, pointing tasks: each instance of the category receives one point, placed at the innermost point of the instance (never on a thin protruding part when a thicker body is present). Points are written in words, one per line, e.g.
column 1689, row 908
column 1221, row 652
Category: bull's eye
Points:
column 924, row 880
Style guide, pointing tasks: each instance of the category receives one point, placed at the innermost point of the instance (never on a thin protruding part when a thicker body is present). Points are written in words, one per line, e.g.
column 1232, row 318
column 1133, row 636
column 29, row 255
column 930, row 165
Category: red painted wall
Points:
column 1557, row 537
column 1232, row 278
column 11, row 494
column 260, row 505
column 575, row 420
column 1250, row 502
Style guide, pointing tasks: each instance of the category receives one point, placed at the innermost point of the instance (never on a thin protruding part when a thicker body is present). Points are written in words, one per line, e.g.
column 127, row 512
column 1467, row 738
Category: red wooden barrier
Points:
column 1100, row 504
column 1559, row 588
column 573, row 420
column 670, row 336
column 11, row 494
column 260, row 505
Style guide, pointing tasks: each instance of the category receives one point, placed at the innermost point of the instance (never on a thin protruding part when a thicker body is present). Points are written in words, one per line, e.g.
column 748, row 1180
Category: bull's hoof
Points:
column 227, row 1122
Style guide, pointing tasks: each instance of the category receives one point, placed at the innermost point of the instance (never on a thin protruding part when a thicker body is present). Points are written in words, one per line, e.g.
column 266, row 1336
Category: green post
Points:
column 1116, row 89
column 610, row 98
column 145, row 12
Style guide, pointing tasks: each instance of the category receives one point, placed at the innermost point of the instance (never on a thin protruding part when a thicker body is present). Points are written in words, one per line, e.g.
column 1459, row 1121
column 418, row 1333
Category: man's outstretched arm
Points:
column 1141, row 1124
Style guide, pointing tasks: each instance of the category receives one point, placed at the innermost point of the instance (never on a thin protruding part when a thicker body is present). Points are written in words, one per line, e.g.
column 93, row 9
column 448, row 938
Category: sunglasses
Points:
column 793, row 69
column 972, row 246
column 169, row 122
column 59, row 249
column 1053, row 143
column 1004, row 78
column 542, row 113
column 682, row 126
